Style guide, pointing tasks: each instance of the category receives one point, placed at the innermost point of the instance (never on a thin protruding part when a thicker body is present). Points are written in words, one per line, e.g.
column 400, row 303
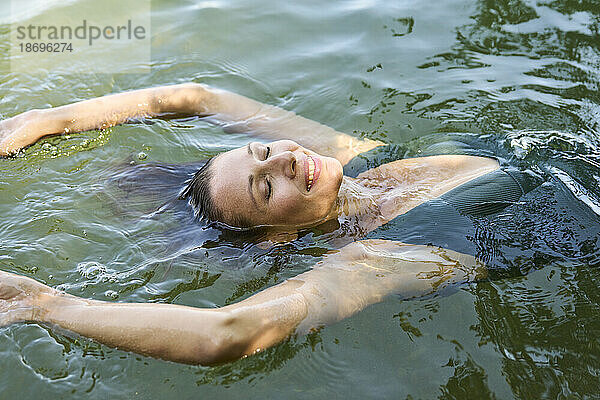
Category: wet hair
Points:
column 198, row 194
column 153, row 188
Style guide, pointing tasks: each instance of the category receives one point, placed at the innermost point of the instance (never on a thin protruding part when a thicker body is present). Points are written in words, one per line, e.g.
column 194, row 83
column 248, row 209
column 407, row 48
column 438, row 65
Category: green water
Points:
column 517, row 80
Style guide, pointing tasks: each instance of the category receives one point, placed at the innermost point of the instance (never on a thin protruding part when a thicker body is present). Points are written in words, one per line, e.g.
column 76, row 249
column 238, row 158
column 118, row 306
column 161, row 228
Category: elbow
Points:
column 242, row 330
column 210, row 352
column 229, row 340
column 242, row 336
column 226, row 351
column 184, row 99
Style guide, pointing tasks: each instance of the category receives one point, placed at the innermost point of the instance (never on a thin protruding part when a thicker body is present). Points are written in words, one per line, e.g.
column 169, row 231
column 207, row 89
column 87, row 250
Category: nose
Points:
column 284, row 162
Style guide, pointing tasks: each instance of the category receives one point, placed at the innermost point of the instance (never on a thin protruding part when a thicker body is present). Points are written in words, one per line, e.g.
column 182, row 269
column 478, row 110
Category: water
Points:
column 514, row 79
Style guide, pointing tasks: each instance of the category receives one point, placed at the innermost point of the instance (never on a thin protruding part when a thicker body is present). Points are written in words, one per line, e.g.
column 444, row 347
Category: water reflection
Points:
column 546, row 335
column 519, row 82
column 540, row 113
column 548, row 339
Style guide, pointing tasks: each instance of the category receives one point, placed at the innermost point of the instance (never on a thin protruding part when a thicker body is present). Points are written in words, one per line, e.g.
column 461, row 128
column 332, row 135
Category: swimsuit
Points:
column 464, row 219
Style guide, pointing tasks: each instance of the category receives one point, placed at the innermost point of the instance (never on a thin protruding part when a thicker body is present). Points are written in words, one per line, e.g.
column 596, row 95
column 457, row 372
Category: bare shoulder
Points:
column 436, row 163
column 432, row 169
column 404, row 184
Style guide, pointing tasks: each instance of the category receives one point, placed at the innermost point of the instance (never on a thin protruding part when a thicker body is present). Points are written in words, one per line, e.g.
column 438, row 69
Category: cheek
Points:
column 295, row 209
column 301, row 209
column 288, row 206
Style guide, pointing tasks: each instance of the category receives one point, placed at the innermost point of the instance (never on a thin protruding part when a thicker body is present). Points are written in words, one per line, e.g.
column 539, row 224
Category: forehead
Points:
column 229, row 184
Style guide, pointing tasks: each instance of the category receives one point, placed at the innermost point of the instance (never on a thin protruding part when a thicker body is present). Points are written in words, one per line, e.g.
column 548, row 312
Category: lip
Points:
column 317, row 162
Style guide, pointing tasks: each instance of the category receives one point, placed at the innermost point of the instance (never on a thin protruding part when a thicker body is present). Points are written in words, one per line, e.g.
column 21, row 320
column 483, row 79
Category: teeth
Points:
column 311, row 172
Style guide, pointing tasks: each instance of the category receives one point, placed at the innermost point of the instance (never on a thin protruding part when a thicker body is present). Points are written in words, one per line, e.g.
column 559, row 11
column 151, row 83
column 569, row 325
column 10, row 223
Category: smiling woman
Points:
column 281, row 185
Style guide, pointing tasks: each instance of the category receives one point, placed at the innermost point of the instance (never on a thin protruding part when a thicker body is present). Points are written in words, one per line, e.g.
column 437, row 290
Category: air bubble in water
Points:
column 91, row 269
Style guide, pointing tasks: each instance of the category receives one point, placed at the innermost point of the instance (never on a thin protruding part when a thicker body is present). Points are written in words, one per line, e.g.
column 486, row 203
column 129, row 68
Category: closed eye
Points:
column 269, row 190
column 267, row 153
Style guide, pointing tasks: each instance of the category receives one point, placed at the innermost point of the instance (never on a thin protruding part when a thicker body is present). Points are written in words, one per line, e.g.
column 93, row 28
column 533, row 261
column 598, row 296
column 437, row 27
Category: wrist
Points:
column 48, row 305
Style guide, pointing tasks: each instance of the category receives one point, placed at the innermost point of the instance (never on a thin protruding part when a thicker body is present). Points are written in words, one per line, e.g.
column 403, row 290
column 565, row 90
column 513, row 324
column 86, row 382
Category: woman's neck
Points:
column 355, row 200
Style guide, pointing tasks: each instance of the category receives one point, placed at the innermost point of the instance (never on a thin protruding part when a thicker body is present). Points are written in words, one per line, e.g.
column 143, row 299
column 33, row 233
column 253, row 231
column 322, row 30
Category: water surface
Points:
column 517, row 80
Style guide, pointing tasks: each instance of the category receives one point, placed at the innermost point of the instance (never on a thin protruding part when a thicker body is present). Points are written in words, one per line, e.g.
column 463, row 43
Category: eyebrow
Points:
column 250, row 180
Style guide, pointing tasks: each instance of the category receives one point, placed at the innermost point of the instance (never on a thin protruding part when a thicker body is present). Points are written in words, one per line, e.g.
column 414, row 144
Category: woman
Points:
column 281, row 185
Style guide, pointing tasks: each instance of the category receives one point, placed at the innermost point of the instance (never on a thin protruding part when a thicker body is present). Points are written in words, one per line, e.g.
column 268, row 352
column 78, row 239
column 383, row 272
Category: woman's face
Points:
column 278, row 183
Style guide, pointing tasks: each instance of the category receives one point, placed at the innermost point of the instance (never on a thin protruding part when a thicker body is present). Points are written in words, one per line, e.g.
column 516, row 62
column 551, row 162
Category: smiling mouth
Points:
column 312, row 170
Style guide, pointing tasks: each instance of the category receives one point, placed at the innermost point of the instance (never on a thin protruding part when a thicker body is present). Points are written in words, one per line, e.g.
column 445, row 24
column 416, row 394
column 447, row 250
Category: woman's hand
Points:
column 23, row 130
column 27, row 128
column 21, row 298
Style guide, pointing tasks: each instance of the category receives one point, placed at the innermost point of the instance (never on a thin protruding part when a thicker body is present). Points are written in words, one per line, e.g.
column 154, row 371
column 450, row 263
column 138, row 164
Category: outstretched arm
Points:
column 233, row 111
column 344, row 283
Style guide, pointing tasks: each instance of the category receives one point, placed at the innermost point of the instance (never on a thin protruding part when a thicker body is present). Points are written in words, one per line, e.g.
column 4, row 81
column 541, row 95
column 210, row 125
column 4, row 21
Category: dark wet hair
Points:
column 198, row 194
column 153, row 188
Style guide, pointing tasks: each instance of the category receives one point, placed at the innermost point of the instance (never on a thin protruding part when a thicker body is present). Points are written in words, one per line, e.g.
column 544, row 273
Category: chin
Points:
column 337, row 173
column 331, row 175
column 335, row 177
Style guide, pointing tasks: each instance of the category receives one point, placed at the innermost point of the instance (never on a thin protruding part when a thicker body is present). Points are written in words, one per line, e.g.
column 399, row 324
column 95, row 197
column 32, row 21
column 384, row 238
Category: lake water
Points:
column 513, row 79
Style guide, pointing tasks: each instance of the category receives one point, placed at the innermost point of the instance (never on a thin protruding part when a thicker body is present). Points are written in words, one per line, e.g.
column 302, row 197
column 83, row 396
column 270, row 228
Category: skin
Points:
column 234, row 112
column 278, row 194
column 343, row 283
